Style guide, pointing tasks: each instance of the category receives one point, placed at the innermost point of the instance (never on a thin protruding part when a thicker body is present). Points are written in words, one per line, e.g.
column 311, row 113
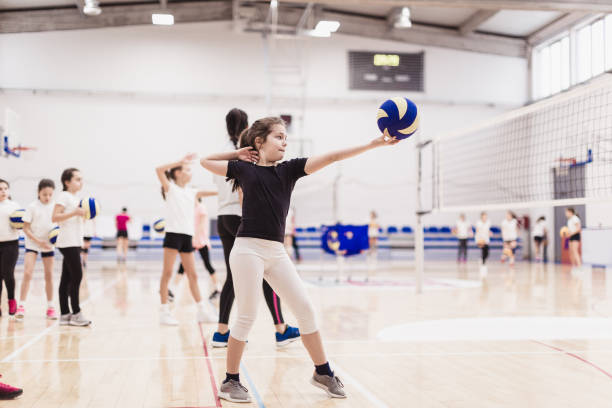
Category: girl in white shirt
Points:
column 180, row 227
column 463, row 231
column 539, row 237
column 509, row 236
column 9, row 246
column 69, row 216
column 483, row 236
column 36, row 226
column 575, row 227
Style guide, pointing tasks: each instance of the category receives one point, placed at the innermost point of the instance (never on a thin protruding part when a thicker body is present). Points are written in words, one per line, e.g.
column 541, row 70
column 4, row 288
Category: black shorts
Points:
column 122, row 234
column 48, row 254
column 87, row 239
column 575, row 237
column 538, row 239
column 180, row 242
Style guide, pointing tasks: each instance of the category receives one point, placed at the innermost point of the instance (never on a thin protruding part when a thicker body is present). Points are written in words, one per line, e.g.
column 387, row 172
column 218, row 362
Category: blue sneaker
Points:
column 289, row 336
column 220, row 340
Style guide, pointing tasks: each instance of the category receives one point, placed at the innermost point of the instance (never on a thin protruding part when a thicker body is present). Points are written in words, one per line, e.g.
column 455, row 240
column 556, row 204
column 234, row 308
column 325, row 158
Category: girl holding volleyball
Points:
column 69, row 216
column 36, row 226
column 574, row 227
column 509, row 229
column 180, row 201
column 258, row 252
column 483, row 236
column 9, row 246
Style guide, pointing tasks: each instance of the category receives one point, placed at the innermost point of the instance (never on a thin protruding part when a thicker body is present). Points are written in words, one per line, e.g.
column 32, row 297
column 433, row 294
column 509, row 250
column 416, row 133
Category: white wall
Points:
column 124, row 100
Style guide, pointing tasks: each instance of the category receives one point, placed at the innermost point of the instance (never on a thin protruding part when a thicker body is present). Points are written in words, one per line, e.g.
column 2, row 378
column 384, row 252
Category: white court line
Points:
column 360, row 387
column 54, row 325
column 302, row 356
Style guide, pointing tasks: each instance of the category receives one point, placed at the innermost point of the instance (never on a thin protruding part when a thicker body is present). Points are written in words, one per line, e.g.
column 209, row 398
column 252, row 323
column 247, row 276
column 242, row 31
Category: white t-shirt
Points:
column 463, row 229
column 180, row 205
column 71, row 230
column 573, row 224
column 538, row 229
column 39, row 216
column 509, row 230
column 7, row 233
column 483, row 231
column 289, row 226
column 228, row 200
column 89, row 228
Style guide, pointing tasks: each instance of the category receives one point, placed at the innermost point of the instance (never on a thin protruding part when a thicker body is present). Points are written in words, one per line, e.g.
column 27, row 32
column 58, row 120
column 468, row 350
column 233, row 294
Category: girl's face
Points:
column 483, row 217
column 45, row 195
column 4, row 191
column 183, row 176
column 76, row 182
column 568, row 214
column 509, row 216
column 273, row 149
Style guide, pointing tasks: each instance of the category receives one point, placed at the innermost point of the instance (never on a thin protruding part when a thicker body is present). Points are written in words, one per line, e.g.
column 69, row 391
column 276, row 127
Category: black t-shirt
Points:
column 266, row 196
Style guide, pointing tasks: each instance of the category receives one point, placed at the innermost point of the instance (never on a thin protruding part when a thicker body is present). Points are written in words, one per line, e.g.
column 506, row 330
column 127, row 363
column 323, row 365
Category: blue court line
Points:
column 260, row 403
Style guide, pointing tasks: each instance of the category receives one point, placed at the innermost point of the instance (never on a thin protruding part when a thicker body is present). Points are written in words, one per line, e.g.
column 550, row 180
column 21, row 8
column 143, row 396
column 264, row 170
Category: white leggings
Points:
column 251, row 260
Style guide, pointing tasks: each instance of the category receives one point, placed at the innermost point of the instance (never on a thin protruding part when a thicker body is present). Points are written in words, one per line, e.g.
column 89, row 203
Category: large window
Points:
column 575, row 57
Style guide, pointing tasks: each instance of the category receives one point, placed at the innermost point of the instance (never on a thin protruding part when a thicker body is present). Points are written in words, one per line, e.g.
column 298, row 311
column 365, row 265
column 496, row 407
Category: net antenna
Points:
column 11, row 134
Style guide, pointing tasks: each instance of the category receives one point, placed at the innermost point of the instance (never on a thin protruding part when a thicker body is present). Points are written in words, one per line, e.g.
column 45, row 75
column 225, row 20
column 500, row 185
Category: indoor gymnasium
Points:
column 335, row 203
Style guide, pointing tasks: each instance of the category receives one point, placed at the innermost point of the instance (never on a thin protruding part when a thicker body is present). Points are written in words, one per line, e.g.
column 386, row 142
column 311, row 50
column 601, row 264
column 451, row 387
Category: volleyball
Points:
column 91, row 207
column 564, row 232
column 398, row 117
column 159, row 225
column 481, row 243
column 53, row 235
column 16, row 219
column 507, row 252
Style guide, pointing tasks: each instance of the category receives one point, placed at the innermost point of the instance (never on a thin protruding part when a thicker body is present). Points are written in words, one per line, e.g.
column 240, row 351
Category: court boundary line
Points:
column 55, row 324
column 258, row 399
column 211, row 374
column 576, row 356
column 359, row 386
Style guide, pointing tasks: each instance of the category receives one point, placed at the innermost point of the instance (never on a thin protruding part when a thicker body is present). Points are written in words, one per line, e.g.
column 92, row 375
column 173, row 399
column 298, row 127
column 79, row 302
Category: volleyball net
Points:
column 553, row 152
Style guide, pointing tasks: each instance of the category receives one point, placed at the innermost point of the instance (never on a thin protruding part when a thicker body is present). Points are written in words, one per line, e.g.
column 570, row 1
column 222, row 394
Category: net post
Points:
column 419, row 236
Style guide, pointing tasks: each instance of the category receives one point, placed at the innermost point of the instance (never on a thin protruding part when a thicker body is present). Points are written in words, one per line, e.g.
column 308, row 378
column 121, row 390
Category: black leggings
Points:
column 484, row 253
column 9, row 252
column 295, row 247
column 70, row 282
column 462, row 249
column 227, row 225
column 205, row 254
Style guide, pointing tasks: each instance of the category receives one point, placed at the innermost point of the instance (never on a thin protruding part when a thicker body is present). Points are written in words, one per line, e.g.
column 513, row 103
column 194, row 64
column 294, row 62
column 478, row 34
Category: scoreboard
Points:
column 386, row 71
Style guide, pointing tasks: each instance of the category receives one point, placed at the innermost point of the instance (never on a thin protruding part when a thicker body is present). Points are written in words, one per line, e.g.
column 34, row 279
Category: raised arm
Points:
column 316, row 163
column 161, row 170
column 217, row 163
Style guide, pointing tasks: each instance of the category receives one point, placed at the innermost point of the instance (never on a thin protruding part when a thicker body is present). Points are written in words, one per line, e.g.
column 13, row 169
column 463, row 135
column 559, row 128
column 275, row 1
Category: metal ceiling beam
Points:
column 112, row 16
column 592, row 6
column 558, row 26
column 417, row 34
column 476, row 20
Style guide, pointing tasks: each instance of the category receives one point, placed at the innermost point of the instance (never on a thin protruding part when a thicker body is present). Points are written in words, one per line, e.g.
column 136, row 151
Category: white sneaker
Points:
column 65, row 320
column 206, row 314
column 166, row 318
column 79, row 320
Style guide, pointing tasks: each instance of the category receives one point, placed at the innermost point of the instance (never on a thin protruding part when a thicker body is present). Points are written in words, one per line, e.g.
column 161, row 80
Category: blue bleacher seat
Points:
column 407, row 230
column 391, row 230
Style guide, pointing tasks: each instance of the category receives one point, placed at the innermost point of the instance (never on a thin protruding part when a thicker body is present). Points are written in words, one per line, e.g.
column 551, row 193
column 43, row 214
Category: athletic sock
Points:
column 228, row 376
column 49, row 304
column 324, row 369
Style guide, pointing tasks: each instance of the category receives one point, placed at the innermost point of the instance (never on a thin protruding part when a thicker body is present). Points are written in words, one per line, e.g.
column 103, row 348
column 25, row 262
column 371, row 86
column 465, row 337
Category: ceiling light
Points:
column 327, row 26
column 162, row 19
column 92, row 8
column 274, row 3
column 400, row 17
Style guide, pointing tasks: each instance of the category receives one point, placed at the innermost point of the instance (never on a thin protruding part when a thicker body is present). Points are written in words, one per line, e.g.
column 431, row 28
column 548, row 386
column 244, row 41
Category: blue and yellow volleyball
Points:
column 53, row 235
column 398, row 117
column 159, row 225
column 16, row 219
column 91, row 207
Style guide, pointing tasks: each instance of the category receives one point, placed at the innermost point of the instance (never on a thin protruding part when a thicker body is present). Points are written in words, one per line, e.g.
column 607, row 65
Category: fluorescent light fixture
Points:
column 274, row 3
column 327, row 26
column 162, row 19
column 400, row 17
column 92, row 8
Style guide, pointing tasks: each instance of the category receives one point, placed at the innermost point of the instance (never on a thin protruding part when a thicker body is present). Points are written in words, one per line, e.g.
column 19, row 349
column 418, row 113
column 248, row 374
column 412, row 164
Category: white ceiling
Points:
column 518, row 23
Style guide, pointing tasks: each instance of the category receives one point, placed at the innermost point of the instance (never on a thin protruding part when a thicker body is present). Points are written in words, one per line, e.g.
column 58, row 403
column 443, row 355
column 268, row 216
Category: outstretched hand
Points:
column 384, row 140
column 248, row 154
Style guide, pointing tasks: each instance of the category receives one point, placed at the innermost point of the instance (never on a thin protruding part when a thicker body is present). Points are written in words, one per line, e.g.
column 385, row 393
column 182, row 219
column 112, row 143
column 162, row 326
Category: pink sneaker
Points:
column 12, row 307
column 7, row 392
column 51, row 315
column 20, row 312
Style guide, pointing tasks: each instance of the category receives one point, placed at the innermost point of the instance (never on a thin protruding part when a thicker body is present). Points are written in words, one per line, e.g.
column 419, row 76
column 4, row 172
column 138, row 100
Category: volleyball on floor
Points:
column 398, row 117
column 16, row 219
column 53, row 235
column 91, row 207
column 159, row 225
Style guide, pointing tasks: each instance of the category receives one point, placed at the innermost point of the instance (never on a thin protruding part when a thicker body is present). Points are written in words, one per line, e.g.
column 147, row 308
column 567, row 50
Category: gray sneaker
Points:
column 332, row 385
column 79, row 320
column 233, row 391
column 65, row 319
